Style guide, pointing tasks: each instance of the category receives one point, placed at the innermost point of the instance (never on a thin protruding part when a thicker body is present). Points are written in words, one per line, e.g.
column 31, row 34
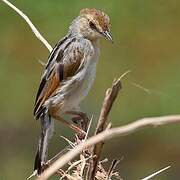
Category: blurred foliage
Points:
column 147, row 42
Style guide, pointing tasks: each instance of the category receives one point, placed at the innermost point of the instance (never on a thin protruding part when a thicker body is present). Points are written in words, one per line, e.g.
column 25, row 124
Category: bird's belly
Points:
column 87, row 82
column 81, row 92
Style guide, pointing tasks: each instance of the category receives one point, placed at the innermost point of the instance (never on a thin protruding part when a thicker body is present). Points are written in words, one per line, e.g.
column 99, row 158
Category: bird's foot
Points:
column 75, row 128
column 80, row 119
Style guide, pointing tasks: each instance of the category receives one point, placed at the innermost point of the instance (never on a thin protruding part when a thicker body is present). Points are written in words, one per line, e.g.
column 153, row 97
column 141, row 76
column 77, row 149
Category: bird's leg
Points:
column 70, row 125
column 80, row 117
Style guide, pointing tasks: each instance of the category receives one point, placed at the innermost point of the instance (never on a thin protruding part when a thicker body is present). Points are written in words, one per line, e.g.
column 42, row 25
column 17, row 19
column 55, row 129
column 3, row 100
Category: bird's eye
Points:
column 92, row 25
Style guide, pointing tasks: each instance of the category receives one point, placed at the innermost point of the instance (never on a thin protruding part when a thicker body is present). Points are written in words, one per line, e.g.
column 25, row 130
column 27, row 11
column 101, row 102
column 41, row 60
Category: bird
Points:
column 69, row 75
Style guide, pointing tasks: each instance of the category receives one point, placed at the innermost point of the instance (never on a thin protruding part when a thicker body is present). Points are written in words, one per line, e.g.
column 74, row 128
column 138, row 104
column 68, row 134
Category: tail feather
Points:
column 47, row 127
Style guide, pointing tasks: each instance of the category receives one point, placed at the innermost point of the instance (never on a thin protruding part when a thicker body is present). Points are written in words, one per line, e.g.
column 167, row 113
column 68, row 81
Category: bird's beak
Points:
column 108, row 35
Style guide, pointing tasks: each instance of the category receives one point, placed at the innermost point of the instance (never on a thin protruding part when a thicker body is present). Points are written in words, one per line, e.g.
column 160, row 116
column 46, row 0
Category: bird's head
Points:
column 93, row 23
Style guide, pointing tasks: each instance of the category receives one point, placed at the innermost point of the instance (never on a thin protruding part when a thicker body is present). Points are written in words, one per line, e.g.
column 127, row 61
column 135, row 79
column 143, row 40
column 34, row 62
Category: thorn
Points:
column 42, row 63
column 156, row 173
column 32, row 175
column 124, row 74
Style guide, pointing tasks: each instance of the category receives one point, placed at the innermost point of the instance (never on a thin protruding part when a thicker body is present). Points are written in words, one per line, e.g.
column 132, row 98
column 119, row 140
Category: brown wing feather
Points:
column 59, row 72
column 48, row 89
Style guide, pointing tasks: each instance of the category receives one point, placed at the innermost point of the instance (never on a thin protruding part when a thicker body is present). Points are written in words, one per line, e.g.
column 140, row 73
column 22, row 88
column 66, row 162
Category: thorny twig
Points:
column 106, row 135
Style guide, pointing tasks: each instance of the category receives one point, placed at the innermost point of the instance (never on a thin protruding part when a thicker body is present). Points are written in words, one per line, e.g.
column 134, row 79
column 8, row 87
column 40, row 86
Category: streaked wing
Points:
column 64, row 62
column 51, row 59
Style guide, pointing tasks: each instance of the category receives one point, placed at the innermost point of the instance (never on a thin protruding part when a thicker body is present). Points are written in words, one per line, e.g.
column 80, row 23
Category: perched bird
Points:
column 68, row 75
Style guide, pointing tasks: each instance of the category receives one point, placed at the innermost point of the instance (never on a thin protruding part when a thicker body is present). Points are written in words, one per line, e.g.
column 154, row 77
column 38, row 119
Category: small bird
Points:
column 68, row 75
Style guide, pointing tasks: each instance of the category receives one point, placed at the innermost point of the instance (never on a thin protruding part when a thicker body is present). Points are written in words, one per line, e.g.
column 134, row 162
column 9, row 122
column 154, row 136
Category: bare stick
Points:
column 31, row 25
column 108, row 134
column 156, row 173
column 109, row 99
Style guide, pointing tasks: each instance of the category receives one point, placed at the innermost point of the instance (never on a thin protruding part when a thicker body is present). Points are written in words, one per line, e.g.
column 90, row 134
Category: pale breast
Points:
column 86, row 83
column 89, row 76
column 83, row 88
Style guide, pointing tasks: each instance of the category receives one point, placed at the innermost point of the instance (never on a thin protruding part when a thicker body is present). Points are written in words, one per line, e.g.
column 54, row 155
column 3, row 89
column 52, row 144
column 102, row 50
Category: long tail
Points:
column 47, row 128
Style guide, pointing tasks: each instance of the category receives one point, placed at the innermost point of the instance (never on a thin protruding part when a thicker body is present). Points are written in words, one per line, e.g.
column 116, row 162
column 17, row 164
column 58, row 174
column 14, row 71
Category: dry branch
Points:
column 156, row 173
column 109, row 99
column 31, row 25
column 109, row 134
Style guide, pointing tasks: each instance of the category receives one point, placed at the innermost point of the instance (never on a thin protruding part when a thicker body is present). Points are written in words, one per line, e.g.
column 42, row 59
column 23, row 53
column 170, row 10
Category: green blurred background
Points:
column 146, row 41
